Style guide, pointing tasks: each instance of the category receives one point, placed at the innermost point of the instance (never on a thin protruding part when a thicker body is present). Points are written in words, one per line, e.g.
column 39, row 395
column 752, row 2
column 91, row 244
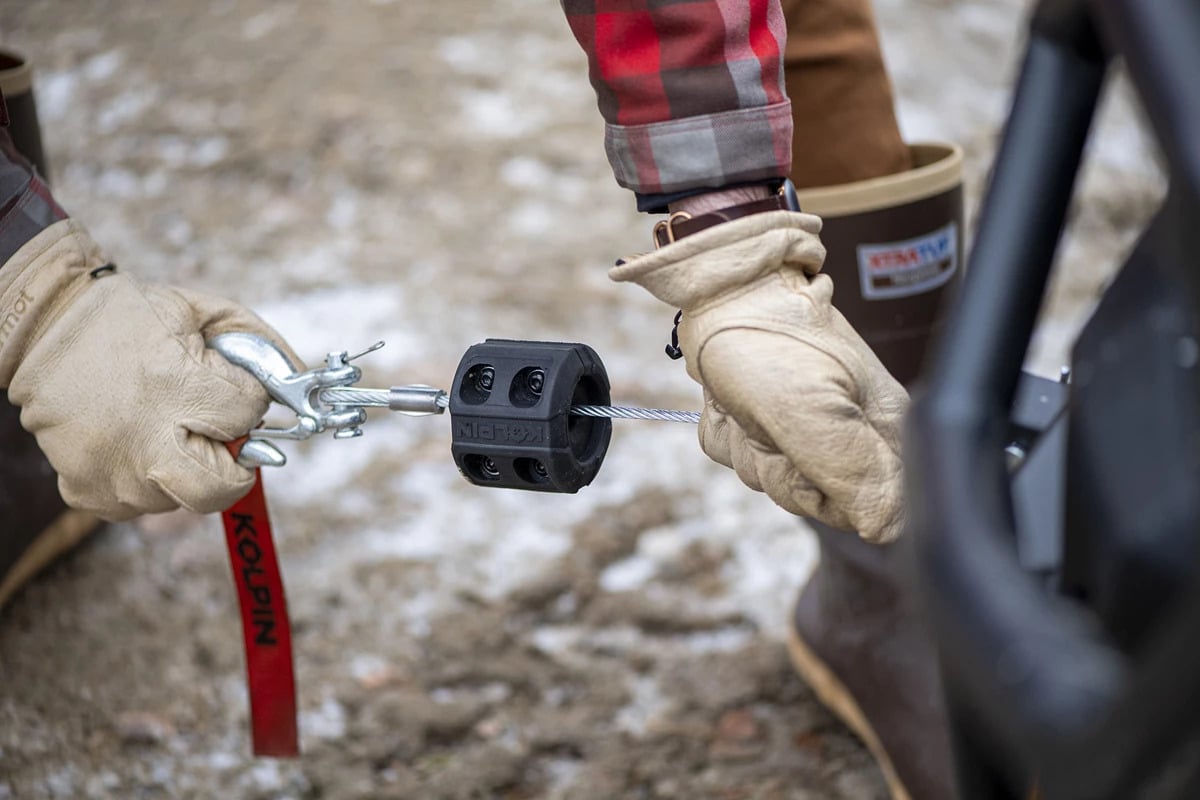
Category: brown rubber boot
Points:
column 37, row 525
column 857, row 641
column 893, row 248
column 893, row 231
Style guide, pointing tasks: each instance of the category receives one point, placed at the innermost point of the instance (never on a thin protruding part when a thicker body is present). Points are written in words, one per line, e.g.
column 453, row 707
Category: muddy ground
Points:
column 431, row 175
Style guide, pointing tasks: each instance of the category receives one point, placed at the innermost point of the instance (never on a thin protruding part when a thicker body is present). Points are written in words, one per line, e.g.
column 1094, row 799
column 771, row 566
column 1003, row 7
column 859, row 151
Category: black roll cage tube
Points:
column 1034, row 687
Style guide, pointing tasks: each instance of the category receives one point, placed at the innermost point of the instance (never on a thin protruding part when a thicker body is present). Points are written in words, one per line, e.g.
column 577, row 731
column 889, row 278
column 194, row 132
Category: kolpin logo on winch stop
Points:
column 511, row 420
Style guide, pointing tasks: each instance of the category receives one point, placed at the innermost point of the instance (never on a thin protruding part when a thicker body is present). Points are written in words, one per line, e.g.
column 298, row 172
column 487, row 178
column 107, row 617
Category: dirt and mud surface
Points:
column 432, row 174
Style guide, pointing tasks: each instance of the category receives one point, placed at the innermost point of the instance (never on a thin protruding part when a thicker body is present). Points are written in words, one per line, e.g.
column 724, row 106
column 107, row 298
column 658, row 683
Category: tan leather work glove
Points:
column 795, row 401
column 114, row 380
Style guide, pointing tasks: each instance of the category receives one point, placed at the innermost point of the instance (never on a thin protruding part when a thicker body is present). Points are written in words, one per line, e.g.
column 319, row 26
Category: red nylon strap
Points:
column 265, row 627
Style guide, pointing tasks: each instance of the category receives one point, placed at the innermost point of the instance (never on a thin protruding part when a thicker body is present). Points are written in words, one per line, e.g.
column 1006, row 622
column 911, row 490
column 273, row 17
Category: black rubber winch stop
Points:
column 511, row 420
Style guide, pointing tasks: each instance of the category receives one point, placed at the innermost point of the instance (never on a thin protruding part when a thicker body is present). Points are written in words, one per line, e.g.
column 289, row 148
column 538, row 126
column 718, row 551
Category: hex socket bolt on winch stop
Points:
column 524, row 415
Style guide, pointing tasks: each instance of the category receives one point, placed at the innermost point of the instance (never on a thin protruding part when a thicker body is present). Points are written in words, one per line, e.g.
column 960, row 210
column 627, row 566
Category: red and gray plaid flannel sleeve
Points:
column 691, row 90
column 26, row 205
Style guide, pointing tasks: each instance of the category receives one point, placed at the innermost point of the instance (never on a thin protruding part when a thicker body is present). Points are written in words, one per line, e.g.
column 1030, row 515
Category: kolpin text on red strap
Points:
column 266, row 629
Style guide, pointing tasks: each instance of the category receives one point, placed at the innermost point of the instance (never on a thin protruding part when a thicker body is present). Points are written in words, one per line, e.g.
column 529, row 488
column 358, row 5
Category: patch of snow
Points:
column 222, row 761
column 55, row 94
column 497, row 114
column 628, row 574
column 561, row 774
column 646, row 703
column 365, row 666
column 526, row 172
column 343, row 211
column 62, row 782
column 725, row 640
column 260, row 25
column 326, row 722
column 125, row 107
column 103, row 66
column 118, row 182
column 265, row 776
column 554, row 640
column 470, row 55
column 532, row 219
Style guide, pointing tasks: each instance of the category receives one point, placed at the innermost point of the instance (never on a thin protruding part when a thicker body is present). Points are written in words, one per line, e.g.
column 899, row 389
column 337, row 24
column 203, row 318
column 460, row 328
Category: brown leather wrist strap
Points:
column 681, row 224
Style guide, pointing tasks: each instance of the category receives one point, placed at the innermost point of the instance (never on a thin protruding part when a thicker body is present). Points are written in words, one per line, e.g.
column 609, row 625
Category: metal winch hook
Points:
column 297, row 390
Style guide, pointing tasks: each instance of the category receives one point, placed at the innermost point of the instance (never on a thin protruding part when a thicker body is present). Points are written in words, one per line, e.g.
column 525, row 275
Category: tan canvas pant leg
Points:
column 845, row 120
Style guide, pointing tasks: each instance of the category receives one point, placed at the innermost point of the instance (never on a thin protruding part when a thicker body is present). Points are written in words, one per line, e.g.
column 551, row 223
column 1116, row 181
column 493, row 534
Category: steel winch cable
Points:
column 630, row 412
column 384, row 398
column 368, row 398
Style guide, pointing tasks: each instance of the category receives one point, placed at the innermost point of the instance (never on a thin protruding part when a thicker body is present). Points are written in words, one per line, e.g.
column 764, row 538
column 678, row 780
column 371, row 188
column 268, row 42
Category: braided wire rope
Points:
column 378, row 398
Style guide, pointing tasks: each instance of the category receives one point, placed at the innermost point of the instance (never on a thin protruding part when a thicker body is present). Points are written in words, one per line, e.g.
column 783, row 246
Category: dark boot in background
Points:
column 893, row 232
column 35, row 525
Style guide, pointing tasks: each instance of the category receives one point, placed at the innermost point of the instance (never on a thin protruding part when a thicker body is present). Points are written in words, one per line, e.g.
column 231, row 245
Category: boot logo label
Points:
column 914, row 266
